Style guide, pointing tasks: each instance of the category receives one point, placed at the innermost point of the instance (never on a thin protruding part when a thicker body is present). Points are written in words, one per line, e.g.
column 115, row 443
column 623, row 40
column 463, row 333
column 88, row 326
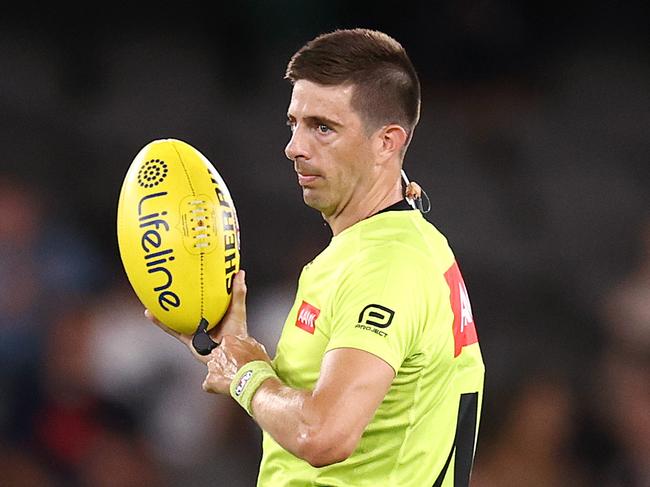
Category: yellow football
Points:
column 178, row 235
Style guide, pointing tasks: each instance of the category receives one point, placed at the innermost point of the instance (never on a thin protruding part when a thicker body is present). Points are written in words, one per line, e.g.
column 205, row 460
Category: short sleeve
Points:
column 376, row 308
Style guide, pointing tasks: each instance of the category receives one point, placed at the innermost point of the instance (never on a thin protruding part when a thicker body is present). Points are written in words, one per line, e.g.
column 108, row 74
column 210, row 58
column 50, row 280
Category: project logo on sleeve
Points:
column 374, row 317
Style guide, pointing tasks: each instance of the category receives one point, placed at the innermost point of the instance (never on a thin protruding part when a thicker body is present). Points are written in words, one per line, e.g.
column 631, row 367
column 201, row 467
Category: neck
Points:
column 363, row 206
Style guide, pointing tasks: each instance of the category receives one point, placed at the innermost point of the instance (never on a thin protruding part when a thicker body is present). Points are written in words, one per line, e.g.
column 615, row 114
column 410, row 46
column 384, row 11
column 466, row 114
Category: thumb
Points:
column 239, row 291
column 235, row 317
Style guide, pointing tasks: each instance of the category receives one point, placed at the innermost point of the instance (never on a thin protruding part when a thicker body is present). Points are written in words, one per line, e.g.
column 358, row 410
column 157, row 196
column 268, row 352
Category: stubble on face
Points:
column 330, row 166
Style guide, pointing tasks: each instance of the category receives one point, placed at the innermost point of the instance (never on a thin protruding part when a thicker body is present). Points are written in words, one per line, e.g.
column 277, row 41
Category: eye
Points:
column 323, row 129
column 291, row 124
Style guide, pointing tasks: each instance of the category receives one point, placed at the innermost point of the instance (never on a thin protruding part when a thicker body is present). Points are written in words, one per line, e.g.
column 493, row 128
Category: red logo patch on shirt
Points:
column 307, row 315
column 463, row 328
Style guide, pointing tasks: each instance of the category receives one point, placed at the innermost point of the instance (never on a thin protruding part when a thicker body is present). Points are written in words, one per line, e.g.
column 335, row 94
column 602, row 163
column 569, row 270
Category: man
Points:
column 378, row 376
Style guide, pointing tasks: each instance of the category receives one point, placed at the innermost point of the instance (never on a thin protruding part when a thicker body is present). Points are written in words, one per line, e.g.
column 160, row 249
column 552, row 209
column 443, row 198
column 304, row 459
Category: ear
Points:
column 392, row 139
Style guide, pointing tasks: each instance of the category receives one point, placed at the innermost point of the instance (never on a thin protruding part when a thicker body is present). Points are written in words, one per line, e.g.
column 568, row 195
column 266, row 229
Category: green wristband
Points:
column 247, row 380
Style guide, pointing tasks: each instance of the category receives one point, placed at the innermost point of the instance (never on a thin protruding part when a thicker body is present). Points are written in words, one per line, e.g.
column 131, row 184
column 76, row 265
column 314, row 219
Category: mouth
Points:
column 306, row 179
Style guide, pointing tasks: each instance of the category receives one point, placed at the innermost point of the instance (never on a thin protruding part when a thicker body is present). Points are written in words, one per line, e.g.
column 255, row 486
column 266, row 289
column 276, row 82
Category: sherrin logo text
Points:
column 229, row 225
column 156, row 257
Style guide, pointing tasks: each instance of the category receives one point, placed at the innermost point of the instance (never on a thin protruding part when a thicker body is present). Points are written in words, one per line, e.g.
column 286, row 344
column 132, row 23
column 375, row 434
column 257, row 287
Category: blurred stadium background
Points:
column 534, row 147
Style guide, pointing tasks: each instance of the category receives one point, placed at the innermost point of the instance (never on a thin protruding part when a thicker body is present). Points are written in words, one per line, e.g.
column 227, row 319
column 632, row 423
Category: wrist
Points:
column 248, row 380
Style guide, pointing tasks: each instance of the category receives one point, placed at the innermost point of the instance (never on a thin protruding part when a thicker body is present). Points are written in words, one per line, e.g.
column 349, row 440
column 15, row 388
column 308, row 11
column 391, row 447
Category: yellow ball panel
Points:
column 178, row 234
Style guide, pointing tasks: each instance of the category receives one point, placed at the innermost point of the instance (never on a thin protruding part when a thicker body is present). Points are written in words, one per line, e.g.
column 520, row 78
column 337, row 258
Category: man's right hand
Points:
column 232, row 323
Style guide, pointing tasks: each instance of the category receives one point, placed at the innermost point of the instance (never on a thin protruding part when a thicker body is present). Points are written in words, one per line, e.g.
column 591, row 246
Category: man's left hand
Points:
column 232, row 323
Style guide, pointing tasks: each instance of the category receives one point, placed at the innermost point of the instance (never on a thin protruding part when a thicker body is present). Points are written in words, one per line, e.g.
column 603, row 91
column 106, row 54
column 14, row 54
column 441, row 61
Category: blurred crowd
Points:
column 534, row 150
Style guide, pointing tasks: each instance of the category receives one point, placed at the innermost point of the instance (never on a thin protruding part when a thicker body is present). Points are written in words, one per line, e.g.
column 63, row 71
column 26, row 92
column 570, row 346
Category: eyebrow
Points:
column 316, row 120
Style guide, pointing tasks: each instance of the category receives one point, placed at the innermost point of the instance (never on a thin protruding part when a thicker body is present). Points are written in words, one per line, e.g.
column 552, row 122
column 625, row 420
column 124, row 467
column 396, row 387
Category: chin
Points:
column 313, row 201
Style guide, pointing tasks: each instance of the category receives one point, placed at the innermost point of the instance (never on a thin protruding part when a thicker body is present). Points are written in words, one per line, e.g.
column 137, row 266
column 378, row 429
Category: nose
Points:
column 297, row 146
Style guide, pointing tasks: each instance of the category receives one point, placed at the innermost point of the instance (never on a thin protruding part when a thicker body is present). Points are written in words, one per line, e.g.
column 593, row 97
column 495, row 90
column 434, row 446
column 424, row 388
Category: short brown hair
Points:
column 387, row 88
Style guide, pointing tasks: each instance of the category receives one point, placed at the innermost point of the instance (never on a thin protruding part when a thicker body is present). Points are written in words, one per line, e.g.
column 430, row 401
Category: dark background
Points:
column 533, row 146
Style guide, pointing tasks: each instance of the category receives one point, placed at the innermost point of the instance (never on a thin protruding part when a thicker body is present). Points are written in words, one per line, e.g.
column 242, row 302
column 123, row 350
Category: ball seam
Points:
column 201, row 254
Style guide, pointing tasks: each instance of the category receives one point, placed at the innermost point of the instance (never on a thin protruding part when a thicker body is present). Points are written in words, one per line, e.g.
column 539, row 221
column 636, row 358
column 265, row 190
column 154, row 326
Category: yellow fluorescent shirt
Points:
column 388, row 285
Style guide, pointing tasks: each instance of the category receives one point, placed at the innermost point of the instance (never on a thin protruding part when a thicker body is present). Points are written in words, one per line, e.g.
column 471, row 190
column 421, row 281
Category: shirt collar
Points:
column 401, row 205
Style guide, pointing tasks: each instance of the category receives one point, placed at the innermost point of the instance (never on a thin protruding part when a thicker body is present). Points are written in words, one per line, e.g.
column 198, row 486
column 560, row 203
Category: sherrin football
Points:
column 178, row 235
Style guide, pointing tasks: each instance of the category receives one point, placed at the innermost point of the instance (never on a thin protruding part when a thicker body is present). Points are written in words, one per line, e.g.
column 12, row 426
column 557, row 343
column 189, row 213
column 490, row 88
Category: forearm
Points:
column 299, row 422
column 321, row 426
column 284, row 413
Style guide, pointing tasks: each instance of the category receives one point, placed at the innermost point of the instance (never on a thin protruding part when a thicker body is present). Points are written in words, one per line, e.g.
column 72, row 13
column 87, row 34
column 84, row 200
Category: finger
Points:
column 239, row 294
column 160, row 325
column 179, row 336
column 151, row 317
column 217, row 360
